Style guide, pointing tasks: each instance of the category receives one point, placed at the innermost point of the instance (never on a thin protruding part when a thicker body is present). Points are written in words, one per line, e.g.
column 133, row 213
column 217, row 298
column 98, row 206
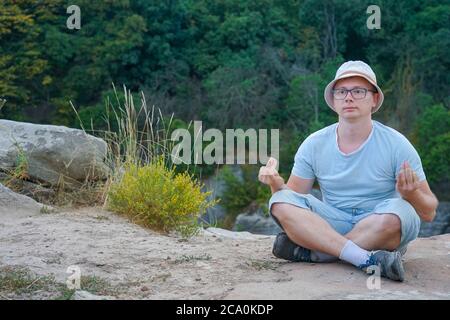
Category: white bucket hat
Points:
column 353, row 69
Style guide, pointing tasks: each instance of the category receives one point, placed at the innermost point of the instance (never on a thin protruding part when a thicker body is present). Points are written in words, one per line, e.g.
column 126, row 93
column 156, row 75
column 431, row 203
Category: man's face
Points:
column 354, row 105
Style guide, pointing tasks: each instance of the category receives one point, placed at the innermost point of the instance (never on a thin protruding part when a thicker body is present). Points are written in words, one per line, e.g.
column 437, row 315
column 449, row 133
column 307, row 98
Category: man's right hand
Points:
column 268, row 174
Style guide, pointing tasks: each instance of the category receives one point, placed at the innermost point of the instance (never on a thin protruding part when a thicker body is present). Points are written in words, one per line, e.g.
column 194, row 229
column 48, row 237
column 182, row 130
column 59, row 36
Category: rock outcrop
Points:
column 52, row 152
column 427, row 277
column 256, row 222
column 440, row 224
column 17, row 205
column 130, row 262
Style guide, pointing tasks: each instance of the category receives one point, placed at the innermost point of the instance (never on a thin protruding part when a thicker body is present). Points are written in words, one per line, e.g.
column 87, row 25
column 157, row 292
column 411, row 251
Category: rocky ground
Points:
column 121, row 260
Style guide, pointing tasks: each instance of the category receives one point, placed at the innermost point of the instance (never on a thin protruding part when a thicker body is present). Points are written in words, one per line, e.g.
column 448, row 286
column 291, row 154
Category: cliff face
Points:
column 135, row 263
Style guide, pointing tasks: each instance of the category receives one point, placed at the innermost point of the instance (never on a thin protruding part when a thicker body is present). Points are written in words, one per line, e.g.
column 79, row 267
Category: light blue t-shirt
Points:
column 363, row 178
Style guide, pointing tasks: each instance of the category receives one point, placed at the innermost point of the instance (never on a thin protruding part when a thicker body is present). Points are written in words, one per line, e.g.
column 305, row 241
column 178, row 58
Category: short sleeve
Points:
column 407, row 152
column 303, row 167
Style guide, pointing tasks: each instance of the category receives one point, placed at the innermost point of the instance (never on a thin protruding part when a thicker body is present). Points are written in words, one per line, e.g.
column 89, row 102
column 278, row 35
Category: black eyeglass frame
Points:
column 351, row 92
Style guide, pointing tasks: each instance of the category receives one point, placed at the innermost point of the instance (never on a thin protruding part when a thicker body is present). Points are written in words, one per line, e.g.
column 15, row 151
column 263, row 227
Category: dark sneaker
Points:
column 284, row 248
column 390, row 264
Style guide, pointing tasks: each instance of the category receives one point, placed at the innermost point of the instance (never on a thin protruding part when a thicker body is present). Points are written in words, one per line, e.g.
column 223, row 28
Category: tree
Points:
column 432, row 136
column 24, row 68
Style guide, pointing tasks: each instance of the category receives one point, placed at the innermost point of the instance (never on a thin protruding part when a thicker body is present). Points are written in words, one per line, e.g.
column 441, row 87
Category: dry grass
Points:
column 21, row 283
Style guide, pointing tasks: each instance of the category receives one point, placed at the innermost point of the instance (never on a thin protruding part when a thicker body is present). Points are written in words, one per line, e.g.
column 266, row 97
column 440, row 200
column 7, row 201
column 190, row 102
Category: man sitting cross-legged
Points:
column 373, row 185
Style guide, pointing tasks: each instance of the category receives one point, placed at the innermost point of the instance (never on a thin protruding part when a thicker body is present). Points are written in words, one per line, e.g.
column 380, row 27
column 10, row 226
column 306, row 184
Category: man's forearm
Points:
column 424, row 204
column 275, row 188
column 278, row 184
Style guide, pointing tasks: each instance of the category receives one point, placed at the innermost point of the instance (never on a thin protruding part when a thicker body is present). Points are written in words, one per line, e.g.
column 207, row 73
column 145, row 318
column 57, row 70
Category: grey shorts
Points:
column 343, row 221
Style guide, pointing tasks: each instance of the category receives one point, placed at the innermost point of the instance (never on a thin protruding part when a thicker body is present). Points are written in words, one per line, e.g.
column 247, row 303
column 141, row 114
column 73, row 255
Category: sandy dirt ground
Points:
column 137, row 263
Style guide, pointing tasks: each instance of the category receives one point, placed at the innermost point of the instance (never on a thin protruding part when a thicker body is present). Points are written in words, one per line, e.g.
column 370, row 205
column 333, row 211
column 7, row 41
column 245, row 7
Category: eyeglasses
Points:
column 357, row 93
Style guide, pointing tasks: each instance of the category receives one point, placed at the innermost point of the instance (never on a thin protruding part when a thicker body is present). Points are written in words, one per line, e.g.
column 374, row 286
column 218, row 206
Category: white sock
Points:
column 354, row 254
column 317, row 256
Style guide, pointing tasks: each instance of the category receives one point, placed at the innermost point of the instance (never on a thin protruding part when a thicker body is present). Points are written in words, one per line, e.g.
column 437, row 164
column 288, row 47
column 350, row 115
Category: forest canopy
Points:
column 231, row 64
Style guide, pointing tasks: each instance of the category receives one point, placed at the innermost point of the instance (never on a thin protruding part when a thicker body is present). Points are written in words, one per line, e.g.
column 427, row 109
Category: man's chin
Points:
column 350, row 115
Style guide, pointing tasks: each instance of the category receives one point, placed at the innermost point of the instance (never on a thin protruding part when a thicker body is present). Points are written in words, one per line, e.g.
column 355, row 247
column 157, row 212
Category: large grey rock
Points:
column 440, row 224
column 256, row 222
column 52, row 152
column 17, row 205
column 27, row 188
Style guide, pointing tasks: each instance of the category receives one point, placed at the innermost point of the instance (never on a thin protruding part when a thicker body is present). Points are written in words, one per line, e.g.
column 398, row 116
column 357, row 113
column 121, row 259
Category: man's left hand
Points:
column 407, row 181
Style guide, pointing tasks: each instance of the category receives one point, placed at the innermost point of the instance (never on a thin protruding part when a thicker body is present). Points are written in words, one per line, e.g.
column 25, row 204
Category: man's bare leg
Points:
column 377, row 232
column 308, row 229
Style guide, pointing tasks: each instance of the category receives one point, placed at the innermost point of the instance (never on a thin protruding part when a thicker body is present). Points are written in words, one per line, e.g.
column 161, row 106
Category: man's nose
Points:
column 349, row 96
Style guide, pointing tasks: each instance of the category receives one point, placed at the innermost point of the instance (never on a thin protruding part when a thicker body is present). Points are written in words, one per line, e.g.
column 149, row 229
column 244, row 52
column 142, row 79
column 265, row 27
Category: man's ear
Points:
column 376, row 98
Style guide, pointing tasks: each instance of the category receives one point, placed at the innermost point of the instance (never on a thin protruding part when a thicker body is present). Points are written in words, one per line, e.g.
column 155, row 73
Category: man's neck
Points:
column 354, row 132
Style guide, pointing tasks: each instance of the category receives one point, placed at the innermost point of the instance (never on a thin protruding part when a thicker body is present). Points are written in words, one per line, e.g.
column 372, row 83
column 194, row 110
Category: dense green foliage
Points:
column 242, row 193
column 433, row 139
column 229, row 63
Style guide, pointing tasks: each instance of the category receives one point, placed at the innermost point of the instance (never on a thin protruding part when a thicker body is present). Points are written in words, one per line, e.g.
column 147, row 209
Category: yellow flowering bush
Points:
column 156, row 197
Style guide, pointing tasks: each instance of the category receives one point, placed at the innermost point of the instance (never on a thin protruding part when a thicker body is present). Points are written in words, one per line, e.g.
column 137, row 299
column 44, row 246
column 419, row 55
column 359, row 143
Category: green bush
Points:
column 432, row 136
column 437, row 162
column 156, row 197
column 241, row 193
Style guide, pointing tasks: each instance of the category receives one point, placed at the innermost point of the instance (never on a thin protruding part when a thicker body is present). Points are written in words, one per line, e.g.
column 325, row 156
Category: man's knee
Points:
column 388, row 223
column 283, row 211
column 280, row 210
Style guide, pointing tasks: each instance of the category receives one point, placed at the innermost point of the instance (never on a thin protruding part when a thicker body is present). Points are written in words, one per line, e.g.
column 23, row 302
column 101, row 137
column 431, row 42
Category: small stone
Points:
column 145, row 288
